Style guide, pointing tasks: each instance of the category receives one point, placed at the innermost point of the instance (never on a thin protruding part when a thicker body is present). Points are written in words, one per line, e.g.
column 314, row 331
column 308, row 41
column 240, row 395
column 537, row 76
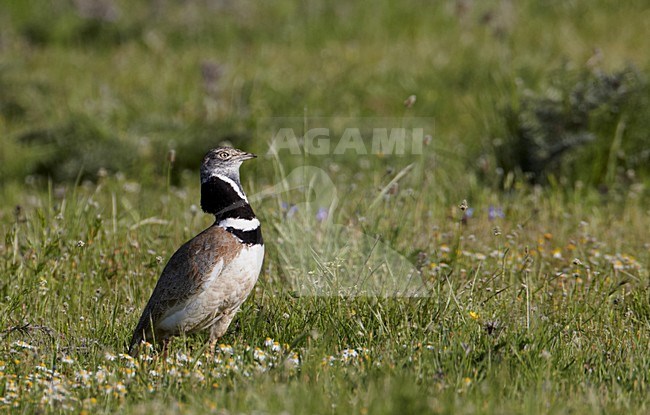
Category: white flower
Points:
column 226, row 349
column 348, row 354
column 83, row 376
column 100, row 375
column 293, row 360
column 23, row 345
column 182, row 358
column 329, row 360
column 198, row 375
column 259, row 355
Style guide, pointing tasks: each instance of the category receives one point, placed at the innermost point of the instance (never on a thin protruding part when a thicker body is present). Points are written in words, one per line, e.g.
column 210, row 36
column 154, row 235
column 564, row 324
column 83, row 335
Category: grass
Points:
column 549, row 315
column 533, row 300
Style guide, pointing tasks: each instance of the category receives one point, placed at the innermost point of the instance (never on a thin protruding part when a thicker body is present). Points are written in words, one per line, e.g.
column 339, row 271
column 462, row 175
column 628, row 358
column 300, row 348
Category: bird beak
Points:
column 247, row 156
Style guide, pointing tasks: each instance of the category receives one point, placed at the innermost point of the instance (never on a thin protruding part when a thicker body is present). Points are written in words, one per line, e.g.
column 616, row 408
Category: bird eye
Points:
column 223, row 155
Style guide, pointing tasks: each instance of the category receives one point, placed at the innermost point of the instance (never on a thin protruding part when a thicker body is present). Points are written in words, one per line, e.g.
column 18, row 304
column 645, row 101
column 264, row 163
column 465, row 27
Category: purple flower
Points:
column 289, row 209
column 495, row 212
column 466, row 215
column 321, row 215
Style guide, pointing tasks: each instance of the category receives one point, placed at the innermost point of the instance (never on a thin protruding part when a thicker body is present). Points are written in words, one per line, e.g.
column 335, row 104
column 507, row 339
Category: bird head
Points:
column 224, row 161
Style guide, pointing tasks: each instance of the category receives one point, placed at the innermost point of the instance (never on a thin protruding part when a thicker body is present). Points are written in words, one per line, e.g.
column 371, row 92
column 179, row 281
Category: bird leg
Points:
column 218, row 329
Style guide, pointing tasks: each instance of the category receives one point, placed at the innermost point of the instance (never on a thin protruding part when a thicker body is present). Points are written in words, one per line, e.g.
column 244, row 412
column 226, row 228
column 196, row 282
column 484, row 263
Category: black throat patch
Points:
column 219, row 198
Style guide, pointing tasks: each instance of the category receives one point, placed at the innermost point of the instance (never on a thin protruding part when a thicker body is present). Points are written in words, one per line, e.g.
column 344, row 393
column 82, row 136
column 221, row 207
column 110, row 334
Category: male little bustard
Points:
column 209, row 277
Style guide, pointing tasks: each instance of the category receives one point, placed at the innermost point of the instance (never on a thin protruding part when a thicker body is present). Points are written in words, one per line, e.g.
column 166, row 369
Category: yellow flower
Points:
column 474, row 315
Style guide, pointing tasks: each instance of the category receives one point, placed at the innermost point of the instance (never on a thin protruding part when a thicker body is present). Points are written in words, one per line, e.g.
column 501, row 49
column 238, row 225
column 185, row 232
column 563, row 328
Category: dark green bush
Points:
column 90, row 22
column 589, row 126
column 78, row 148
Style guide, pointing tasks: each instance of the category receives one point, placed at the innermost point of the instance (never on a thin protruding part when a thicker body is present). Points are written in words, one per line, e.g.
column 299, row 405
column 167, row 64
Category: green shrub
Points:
column 80, row 148
column 590, row 126
column 66, row 22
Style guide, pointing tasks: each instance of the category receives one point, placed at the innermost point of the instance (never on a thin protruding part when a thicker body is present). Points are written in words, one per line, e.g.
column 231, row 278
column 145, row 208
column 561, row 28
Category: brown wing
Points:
column 183, row 277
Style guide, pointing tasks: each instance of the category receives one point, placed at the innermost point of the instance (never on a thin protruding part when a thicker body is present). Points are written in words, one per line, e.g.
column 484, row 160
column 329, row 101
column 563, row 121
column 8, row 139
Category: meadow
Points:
column 446, row 280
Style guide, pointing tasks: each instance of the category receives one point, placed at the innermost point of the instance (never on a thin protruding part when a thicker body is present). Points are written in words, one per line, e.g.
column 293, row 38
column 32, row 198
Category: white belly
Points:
column 222, row 293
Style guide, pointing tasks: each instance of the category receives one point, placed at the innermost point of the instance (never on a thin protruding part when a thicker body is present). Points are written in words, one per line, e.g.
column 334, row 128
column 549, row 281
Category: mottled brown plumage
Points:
column 182, row 279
